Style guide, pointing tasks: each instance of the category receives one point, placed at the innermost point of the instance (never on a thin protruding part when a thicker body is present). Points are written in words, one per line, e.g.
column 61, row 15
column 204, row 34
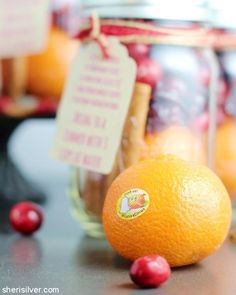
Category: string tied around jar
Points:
column 146, row 32
column 97, row 36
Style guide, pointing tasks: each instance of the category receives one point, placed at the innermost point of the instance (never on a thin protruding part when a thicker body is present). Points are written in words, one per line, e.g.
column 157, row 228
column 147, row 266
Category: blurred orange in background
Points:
column 48, row 70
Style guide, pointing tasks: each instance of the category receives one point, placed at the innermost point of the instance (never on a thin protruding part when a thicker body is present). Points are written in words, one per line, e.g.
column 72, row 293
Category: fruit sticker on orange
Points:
column 24, row 27
column 132, row 203
column 94, row 107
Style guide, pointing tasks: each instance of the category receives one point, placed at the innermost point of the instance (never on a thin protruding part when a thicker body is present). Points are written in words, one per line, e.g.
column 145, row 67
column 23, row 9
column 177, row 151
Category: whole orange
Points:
column 48, row 70
column 176, row 140
column 185, row 217
column 225, row 153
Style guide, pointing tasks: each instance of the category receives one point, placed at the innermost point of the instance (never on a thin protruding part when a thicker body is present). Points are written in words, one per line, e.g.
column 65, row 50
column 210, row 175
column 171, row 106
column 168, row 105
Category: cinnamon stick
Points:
column 134, row 129
column 17, row 72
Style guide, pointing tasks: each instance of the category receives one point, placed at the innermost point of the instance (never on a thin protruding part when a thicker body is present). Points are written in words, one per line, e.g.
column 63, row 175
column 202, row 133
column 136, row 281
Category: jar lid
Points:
column 185, row 10
column 57, row 4
column 222, row 14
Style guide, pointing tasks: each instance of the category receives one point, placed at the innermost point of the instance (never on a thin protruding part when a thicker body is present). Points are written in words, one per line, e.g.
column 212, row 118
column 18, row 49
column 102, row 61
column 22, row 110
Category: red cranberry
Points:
column 137, row 50
column 26, row 217
column 149, row 72
column 150, row 271
column 46, row 106
column 4, row 103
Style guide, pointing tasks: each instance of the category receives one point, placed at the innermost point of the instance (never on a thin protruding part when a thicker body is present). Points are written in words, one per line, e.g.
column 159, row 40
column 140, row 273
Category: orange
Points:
column 185, row 217
column 48, row 70
column 176, row 140
column 226, row 154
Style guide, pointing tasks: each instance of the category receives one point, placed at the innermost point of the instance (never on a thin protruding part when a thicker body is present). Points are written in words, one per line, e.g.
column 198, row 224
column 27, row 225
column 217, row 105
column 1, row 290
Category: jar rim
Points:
column 223, row 19
column 222, row 14
column 194, row 10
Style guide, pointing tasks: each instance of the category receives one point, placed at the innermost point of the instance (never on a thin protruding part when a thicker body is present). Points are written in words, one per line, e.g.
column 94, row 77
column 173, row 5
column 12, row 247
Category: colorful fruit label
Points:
column 132, row 204
column 94, row 107
column 24, row 27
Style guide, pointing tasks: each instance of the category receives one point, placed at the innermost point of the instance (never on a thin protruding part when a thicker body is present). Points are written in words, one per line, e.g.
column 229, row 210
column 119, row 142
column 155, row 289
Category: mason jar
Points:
column 224, row 22
column 172, row 110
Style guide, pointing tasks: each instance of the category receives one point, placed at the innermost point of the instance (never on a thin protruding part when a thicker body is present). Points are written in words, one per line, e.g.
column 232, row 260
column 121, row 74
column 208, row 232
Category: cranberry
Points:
column 137, row 50
column 4, row 103
column 45, row 106
column 150, row 271
column 26, row 217
column 149, row 72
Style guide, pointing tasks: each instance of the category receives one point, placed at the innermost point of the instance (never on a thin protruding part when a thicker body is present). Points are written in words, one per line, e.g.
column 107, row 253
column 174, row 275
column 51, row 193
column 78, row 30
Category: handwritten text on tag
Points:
column 94, row 107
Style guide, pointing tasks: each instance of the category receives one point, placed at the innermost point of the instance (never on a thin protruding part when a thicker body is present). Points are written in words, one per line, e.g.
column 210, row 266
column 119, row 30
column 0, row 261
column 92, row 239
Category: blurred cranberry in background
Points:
column 173, row 103
column 148, row 72
column 138, row 51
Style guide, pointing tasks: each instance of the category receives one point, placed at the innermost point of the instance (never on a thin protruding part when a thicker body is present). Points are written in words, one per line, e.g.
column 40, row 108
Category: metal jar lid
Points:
column 185, row 10
column 222, row 14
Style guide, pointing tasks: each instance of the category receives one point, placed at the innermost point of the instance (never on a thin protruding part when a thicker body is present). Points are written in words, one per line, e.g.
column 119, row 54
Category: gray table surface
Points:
column 60, row 256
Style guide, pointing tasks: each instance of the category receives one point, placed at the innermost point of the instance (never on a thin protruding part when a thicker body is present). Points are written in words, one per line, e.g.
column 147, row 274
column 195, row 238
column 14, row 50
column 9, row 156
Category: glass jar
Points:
column 223, row 20
column 170, row 112
column 225, row 156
